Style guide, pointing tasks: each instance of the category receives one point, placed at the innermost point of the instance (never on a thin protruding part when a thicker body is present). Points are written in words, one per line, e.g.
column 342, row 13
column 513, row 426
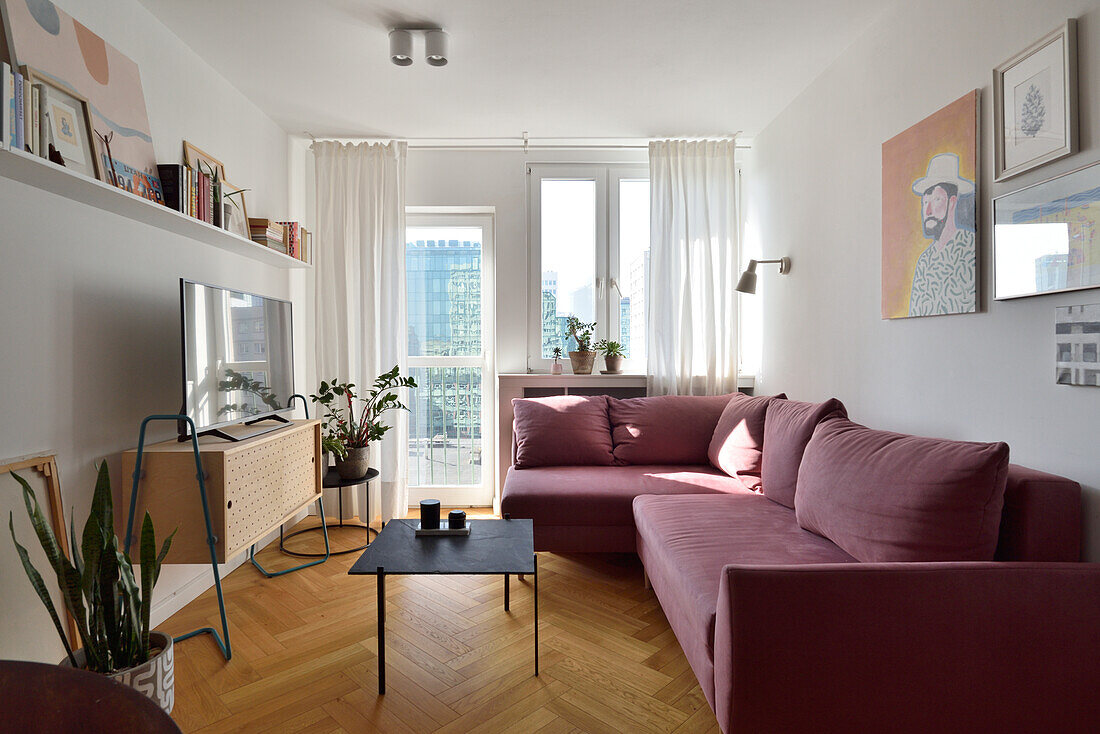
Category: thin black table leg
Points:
column 506, row 589
column 381, row 631
column 536, row 574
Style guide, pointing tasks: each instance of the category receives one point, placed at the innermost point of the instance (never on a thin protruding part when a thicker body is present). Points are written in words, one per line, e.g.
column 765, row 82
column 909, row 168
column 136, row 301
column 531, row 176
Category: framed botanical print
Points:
column 236, row 213
column 67, row 124
column 1035, row 103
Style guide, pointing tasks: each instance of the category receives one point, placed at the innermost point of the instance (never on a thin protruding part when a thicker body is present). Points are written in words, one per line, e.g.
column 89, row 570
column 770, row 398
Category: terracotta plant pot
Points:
column 582, row 362
column 155, row 677
column 614, row 364
column 355, row 464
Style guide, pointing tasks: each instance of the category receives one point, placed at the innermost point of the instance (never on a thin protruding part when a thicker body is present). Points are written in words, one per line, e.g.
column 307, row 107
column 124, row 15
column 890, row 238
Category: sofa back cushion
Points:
column 738, row 441
column 563, row 430
column 665, row 429
column 886, row 497
column 788, row 426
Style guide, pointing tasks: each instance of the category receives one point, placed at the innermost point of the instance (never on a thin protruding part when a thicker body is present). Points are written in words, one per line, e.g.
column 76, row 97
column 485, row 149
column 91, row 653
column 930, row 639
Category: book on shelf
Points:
column 17, row 123
column 307, row 246
column 28, row 115
column 293, row 239
column 173, row 184
column 268, row 233
column 8, row 106
column 36, row 119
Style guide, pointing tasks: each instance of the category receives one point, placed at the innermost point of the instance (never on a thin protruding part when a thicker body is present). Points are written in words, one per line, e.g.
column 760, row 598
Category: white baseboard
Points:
column 190, row 589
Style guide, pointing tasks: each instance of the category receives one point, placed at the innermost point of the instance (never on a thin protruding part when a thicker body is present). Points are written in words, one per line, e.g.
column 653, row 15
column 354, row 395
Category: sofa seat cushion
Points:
column 684, row 543
column 892, row 497
column 788, row 426
column 737, row 445
column 665, row 429
column 579, row 495
column 562, row 430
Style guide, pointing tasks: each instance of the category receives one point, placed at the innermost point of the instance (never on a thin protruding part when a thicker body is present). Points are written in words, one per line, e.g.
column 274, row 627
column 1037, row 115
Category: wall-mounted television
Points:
column 238, row 360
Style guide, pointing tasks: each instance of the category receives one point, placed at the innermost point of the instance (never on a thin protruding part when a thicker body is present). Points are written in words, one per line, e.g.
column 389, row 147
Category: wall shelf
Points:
column 41, row 174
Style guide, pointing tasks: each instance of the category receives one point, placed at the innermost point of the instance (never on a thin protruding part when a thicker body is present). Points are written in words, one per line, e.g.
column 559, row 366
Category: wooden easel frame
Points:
column 47, row 467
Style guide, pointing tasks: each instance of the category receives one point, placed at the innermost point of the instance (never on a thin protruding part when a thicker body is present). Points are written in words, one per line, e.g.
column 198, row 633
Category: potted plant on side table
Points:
column 110, row 605
column 348, row 434
column 583, row 358
column 612, row 356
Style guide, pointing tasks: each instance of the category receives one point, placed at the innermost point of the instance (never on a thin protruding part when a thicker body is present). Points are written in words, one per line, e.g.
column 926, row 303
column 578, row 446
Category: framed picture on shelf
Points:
column 43, row 36
column 237, row 222
column 67, row 124
column 193, row 157
column 1035, row 104
column 1046, row 237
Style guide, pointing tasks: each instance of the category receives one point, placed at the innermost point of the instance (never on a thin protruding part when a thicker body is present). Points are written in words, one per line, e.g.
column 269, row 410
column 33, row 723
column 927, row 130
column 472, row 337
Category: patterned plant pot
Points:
column 582, row 362
column 355, row 464
column 154, row 678
column 614, row 364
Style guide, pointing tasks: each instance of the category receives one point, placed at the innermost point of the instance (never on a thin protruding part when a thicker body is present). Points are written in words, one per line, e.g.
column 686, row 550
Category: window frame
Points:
column 467, row 495
column 606, row 177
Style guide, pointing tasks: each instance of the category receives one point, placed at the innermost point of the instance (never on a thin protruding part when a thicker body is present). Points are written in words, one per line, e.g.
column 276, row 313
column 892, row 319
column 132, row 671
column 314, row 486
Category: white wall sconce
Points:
column 436, row 45
column 747, row 283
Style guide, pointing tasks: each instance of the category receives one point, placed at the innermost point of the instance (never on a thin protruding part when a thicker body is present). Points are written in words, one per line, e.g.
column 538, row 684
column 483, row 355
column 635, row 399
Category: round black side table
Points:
column 332, row 480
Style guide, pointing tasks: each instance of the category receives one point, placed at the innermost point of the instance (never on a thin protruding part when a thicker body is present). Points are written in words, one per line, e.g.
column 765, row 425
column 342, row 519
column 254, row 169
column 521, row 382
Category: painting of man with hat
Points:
column 929, row 242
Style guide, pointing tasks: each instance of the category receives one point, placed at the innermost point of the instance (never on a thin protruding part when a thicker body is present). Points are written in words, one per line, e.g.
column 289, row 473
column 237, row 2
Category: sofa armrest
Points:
column 913, row 647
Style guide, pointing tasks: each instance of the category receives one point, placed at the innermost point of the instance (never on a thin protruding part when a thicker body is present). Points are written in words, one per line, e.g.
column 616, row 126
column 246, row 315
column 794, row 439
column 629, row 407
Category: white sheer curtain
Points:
column 360, row 290
column 691, row 323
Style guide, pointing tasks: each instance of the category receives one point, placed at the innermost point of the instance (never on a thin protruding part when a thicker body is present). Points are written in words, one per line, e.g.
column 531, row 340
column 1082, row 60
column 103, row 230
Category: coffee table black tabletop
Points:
column 492, row 547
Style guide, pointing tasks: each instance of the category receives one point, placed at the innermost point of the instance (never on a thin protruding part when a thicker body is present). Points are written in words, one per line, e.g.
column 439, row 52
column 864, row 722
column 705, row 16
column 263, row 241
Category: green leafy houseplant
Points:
column 581, row 332
column 98, row 586
column 347, row 429
column 609, row 348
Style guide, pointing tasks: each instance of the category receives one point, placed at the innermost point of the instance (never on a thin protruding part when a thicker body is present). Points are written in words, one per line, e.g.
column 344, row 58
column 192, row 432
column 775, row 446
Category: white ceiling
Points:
column 556, row 68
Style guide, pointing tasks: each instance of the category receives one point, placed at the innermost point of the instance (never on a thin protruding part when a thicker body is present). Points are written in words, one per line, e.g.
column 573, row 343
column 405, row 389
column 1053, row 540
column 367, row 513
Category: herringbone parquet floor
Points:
column 304, row 653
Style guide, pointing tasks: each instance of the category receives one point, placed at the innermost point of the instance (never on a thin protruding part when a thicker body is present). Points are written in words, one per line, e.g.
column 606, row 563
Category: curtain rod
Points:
column 525, row 142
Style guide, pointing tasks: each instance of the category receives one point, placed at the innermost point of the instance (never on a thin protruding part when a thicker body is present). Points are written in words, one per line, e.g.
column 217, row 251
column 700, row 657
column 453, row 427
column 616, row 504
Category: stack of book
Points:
column 21, row 113
column 268, row 233
column 192, row 192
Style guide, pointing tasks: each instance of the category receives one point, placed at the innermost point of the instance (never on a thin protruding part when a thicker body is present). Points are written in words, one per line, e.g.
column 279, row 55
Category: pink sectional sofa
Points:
column 823, row 576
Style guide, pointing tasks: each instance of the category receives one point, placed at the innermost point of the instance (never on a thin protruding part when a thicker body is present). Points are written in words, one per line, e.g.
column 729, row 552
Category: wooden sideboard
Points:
column 252, row 487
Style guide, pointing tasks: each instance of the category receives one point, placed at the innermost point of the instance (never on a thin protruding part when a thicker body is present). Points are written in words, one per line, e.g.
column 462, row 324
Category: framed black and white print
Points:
column 1035, row 103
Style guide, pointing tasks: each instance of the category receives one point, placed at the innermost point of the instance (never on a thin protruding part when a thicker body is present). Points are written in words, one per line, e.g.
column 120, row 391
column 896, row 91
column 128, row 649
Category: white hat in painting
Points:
column 943, row 168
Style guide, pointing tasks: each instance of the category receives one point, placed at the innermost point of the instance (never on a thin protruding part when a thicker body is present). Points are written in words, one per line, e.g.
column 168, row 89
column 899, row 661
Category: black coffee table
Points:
column 492, row 547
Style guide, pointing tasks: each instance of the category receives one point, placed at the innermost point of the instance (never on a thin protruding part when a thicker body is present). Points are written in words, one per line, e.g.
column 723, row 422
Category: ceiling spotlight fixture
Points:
column 401, row 47
column 435, row 47
column 436, row 42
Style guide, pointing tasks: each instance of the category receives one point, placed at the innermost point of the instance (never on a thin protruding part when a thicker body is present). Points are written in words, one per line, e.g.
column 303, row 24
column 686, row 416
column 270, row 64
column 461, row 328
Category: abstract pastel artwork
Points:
column 41, row 35
column 1046, row 237
column 929, row 227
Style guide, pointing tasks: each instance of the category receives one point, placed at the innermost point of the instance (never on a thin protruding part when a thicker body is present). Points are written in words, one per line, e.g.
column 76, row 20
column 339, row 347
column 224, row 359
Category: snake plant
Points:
column 98, row 586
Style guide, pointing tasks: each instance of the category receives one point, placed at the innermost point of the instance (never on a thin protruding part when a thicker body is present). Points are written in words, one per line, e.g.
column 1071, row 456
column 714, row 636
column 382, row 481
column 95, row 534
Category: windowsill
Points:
column 742, row 381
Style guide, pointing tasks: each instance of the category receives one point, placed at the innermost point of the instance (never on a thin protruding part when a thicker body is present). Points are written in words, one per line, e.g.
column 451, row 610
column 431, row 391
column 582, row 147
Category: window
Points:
column 589, row 257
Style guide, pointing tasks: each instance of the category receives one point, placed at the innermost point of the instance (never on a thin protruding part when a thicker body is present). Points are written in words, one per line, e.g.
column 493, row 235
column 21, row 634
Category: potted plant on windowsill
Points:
column 583, row 358
column 555, row 369
column 347, row 434
column 111, row 610
column 612, row 356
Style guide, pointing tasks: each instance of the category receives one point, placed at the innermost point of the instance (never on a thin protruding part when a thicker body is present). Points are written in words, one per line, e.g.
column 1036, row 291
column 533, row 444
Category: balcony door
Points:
column 449, row 274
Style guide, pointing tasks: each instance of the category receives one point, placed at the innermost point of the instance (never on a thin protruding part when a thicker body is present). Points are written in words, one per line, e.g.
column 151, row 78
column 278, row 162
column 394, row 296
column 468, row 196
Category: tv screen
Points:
column 238, row 355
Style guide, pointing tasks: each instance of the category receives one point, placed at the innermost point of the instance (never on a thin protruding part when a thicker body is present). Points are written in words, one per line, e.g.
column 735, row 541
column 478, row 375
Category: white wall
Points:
column 89, row 301
column 498, row 179
column 814, row 194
